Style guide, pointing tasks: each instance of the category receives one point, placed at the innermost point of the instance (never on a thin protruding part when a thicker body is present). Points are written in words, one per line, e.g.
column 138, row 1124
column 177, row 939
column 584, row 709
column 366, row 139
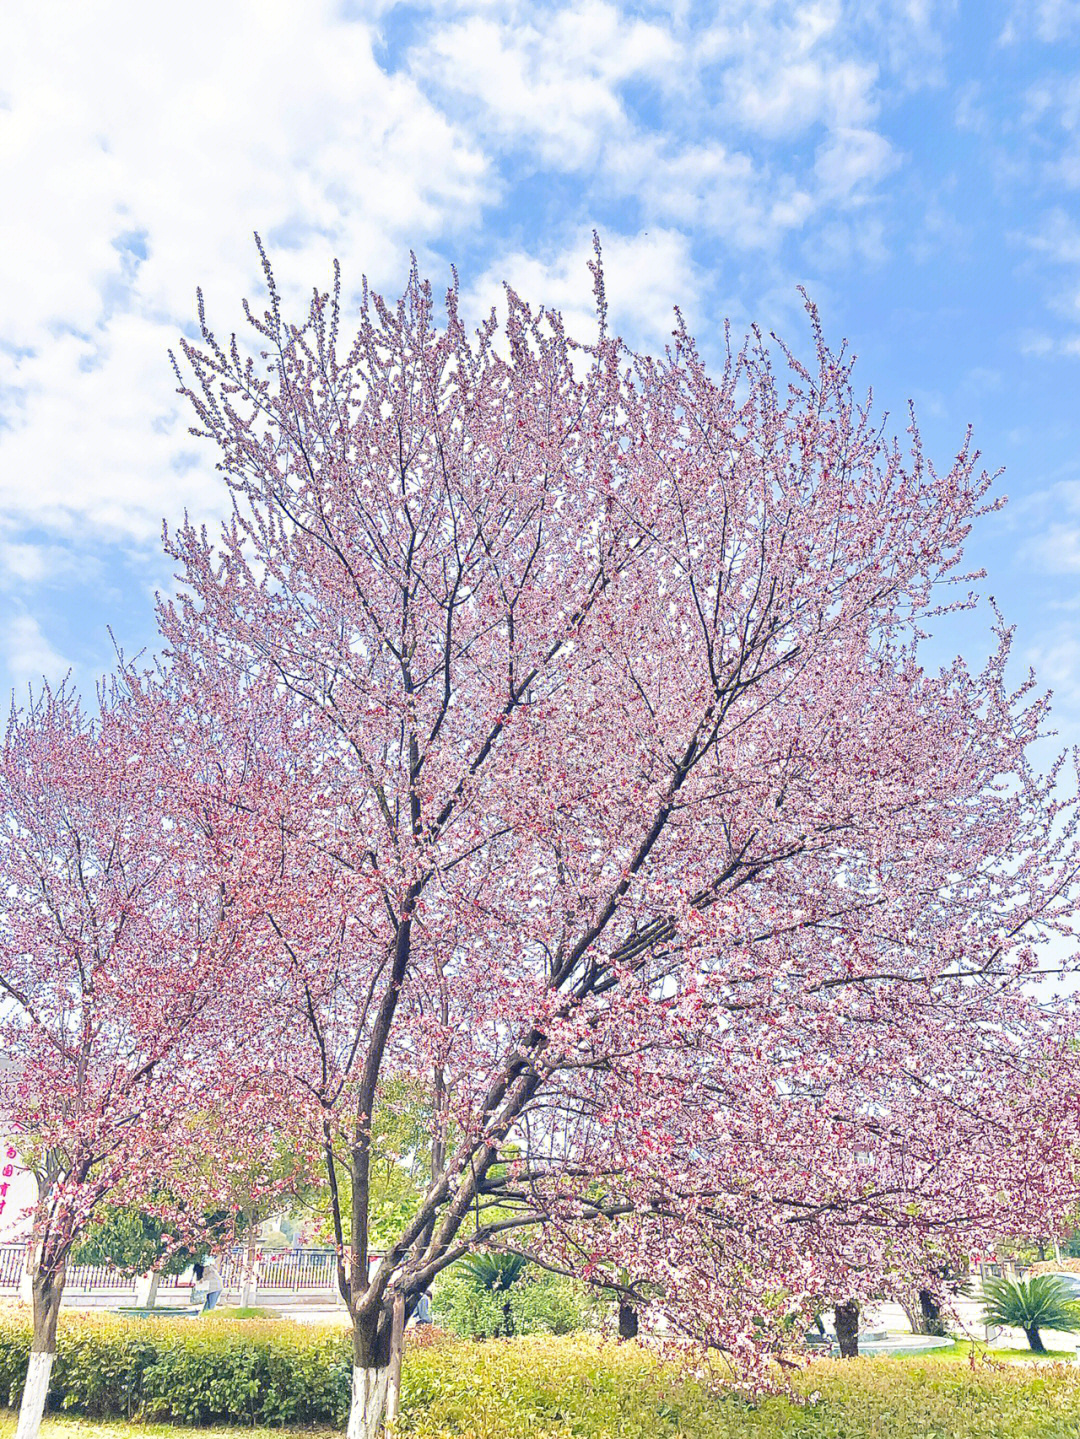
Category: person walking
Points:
column 208, row 1284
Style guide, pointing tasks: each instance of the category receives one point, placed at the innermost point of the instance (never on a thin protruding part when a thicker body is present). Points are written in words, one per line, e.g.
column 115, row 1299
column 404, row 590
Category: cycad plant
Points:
column 1041, row 1302
column 497, row 1272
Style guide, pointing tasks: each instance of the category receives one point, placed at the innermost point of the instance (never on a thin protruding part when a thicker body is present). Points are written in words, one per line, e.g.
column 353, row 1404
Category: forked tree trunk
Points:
column 370, row 1376
column 628, row 1320
column 47, row 1286
column 847, row 1328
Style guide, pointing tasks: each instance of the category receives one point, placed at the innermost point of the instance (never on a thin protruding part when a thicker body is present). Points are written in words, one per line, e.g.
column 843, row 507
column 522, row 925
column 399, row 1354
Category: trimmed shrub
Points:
column 580, row 1387
column 14, row 1355
column 218, row 1371
column 188, row 1371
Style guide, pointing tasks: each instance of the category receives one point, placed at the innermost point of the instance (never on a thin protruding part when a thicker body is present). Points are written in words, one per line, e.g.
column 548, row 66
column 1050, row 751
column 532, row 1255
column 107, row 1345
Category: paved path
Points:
column 969, row 1313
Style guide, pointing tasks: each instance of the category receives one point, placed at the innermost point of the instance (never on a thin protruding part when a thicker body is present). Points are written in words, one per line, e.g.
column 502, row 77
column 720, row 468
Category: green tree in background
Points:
column 400, row 1170
column 493, row 1303
column 132, row 1240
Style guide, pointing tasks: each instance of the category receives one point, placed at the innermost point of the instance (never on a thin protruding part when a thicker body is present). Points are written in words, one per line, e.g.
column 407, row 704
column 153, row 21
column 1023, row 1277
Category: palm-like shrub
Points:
column 1041, row 1302
column 495, row 1271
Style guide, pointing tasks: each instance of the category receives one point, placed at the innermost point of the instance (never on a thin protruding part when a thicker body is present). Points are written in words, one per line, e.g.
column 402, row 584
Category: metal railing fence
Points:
column 12, row 1261
column 289, row 1271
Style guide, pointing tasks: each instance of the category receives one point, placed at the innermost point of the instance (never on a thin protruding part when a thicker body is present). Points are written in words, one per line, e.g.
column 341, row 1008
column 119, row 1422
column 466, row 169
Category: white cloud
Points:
column 1058, row 238
column 709, row 187
column 785, row 71
column 1057, row 550
column 1049, row 20
column 28, row 563
column 551, row 79
column 1057, row 666
column 914, row 36
column 710, row 106
column 144, row 145
column 851, row 161
column 1051, row 115
column 848, row 240
column 28, row 654
column 1051, row 517
column 645, row 276
column 1057, row 243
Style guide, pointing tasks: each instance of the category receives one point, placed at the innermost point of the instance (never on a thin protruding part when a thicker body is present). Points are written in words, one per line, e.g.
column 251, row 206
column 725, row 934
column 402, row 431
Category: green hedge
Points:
column 578, row 1387
column 188, row 1371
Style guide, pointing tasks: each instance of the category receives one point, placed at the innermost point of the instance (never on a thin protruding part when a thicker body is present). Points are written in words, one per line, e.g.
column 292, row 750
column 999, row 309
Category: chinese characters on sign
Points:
column 7, row 1174
column 16, row 1191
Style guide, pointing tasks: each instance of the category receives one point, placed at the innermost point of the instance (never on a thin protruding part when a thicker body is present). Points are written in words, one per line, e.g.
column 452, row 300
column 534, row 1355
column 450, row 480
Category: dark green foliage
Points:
column 534, row 1303
column 493, row 1276
column 1041, row 1302
column 130, row 1239
column 188, row 1371
column 495, row 1272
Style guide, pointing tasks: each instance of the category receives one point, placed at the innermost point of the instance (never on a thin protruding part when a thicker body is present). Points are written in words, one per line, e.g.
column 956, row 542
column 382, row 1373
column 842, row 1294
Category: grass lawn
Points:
column 579, row 1388
column 962, row 1349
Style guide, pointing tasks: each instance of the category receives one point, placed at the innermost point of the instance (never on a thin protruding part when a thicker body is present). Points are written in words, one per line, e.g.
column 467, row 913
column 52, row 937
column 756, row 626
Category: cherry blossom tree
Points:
column 115, row 937
column 597, row 784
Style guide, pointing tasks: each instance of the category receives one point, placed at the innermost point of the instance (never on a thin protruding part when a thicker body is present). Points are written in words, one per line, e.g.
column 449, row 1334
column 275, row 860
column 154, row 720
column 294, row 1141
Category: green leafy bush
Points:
column 581, row 1387
column 466, row 1310
column 545, row 1304
column 209, row 1371
column 495, row 1271
column 533, row 1303
column 577, row 1387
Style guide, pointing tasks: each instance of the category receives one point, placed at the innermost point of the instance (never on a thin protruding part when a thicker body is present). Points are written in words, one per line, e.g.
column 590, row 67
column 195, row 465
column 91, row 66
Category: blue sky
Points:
column 914, row 164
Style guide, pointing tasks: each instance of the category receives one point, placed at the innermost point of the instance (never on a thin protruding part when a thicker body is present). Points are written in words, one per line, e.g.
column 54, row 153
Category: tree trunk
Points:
column 370, row 1376
column 397, row 1349
column 146, row 1288
column 1034, row 1339
column 924, row 1313
column 930, row 1314
column 628, row 1320
column 47, row 1286
column 247, row 1284
column 847, row 1328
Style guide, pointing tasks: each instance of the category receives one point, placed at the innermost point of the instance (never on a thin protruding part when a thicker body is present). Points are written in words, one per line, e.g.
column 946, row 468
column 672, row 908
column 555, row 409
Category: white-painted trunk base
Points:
column 35, row 1392
column 146, row 1288
column 367, row 1404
